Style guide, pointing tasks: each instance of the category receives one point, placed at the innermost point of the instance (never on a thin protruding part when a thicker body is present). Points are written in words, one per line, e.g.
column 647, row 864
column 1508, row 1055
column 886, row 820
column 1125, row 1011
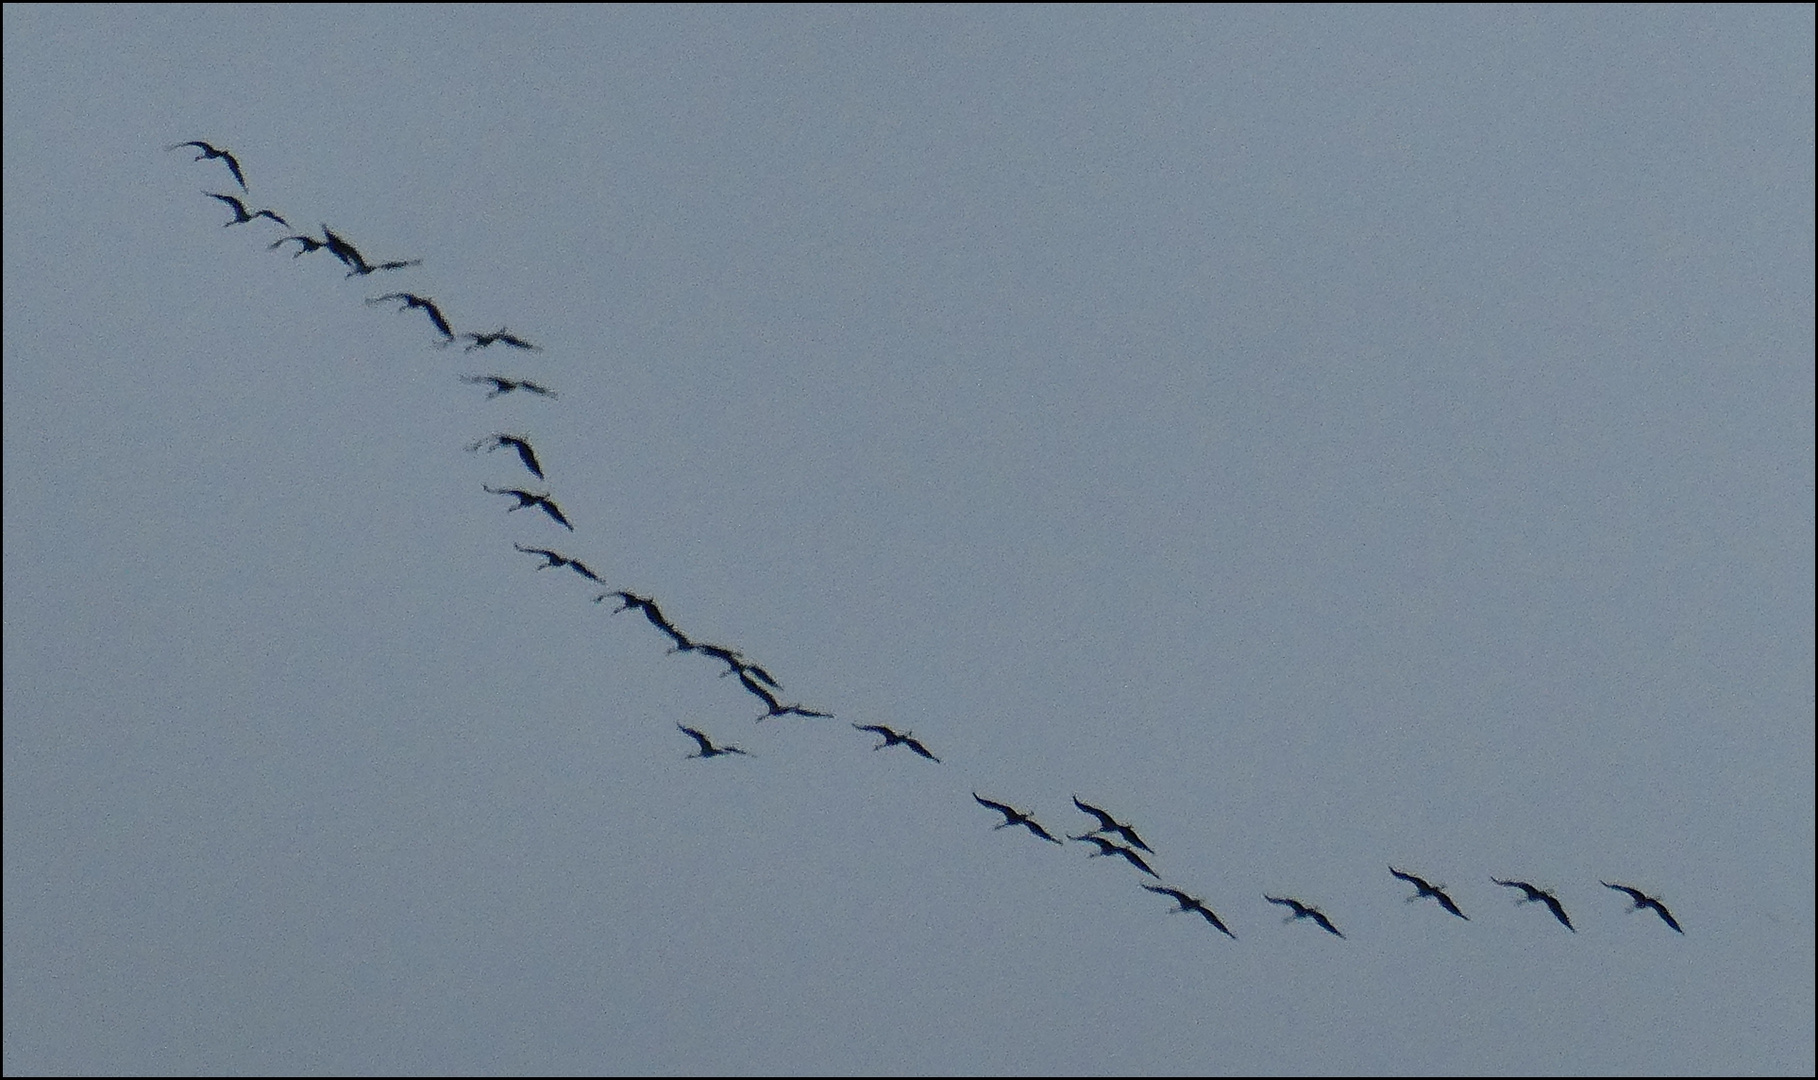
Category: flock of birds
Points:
column 753, row 677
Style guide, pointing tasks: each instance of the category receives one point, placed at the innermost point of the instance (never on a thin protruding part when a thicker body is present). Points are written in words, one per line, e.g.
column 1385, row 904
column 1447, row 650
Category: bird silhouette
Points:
column 480, row 341
column 339, row 247
column 1303, row 911
column 1108, row 847
column 1107, row 823
column 233, row 165
column 892, row 738
column 773, row 706
column 1534, row 895
column 1643, row 900
column 557, row 559
column 1437, row 892
column 241, row 216
column 1013, row 816
column 501, row 385
column 412, row 300
column 707, row 748
column 530, row 498
column 1191, row 903
column 520, row 443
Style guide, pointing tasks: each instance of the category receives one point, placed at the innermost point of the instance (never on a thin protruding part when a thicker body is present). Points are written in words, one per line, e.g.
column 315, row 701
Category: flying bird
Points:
column 502, row 385
column 1191, row 903
column 892, row 738
column 412, row 300
column 208, row 151
column 1107, row 847
column 1107, row 823
column 707, row 748
column 1303, row 911
column 241, row 216
column 557, row 559
column 1533, row 895
column 773, row 706
column 652, row 614
column 305, row 244
column 528, row 498
column 341, row 249
column 1013, row 816
column 1643, row 900
column 480, row 341
column 1437, row 892
column 735, row 662
column 517, row 442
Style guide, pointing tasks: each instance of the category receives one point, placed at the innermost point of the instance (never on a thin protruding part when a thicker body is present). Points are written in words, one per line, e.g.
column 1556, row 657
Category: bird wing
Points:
column 1213, row 918
column 1136, row 860
column 697, row 737
column 915, row 745
column 1446, row 902
column 1320, row 918
column 528, row 457
column 435, row 316
column 1030, row 824
column 1105, row 820
column 1008, row 812
column 1558, row 910
column 875, row 729
column 555, row 512
column 1665, row 915
column 1129, row 834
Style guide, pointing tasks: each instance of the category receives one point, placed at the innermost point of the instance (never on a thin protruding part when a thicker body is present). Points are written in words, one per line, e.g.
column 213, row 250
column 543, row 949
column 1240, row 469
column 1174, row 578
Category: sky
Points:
column 1327, row 438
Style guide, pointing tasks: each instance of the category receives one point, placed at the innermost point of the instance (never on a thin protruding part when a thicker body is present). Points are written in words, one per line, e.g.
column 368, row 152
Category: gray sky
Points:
column 1328, row 438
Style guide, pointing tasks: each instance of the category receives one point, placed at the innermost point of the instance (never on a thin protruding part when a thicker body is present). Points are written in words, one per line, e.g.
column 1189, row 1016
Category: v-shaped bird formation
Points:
column 752, row 677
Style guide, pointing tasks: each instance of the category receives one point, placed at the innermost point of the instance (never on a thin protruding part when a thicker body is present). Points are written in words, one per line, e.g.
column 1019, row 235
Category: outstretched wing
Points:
column 1008, row 812
column 697, row 737
column 1105, row 821
column 1446, row 902
column 1558, row 909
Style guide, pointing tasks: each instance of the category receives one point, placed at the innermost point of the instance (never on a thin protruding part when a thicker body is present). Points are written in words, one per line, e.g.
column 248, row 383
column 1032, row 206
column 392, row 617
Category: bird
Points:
column 735, row 662
column 652, row 613
column 1107, row 847
column 1191, row 903
column 341, row 249
column 1437, row 892
column 773, row 706
column 233, row 166
column 412, row 300
column 241, row 215
column 502, row 385
column 528, row 498
column 1302, row 911
column 892, row 738
column 305, row 244
column 556, row 558
column 519, row 443
column 707, row 748
column 1643, row 900
column 480, row 341
column 1107, row 823
column 1535, row 895
column 1013, row 816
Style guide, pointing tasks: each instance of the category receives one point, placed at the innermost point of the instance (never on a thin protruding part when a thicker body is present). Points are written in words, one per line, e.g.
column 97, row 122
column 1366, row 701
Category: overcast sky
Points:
column 1327, row 438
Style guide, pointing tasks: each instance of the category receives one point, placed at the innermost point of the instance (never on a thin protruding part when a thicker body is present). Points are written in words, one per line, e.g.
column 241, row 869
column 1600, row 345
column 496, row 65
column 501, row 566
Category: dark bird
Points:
column 892, row 738
column 1013, row 816
column 341, row 249
column 1539, row 896
column 1437, row 892
column 241, row 216
column 413, row 300
column 735, row 662
column 1643, row 900
column 305, row 244
column 527, row 498
column 208, row 151
column 517, row 442
column 773, row 706
column 1107, row 847
column 557, row 559
column 480, row 341
column 1191, row 903
column 1107, row 823
column 502, row 385
column 1302, row 911
column 652, row 614
column 707, row 748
